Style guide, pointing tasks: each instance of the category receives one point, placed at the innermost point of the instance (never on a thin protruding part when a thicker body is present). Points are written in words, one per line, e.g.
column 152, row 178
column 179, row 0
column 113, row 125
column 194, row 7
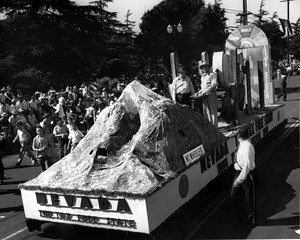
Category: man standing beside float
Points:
column 208, row 92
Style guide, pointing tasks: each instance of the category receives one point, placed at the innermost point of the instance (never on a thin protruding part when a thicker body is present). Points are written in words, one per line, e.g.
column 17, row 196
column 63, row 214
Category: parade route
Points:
column 277, row 161
column 149, row 120
column 225, row 196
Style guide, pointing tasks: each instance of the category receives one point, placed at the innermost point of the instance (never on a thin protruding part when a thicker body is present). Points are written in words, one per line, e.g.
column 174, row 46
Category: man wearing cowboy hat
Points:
column 208, row 93
column 182, row 88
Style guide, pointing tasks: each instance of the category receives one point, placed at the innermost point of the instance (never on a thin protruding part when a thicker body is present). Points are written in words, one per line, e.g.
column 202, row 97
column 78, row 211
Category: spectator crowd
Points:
column 50, row 121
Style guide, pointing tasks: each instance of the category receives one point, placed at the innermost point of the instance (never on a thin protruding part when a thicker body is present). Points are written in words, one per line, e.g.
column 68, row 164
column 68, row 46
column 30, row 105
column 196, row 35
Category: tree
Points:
column 295, row 40
column 271, row 28
column 125, row 58
column 54, row 42
column 261, row 13
column 203, row 30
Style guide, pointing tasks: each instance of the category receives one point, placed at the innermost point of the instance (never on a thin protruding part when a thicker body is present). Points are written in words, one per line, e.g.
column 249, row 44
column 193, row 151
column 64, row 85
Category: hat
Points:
column 3, row 89
column 181, row 69
column 8, row 88
column 203, row 63
column 204, row 60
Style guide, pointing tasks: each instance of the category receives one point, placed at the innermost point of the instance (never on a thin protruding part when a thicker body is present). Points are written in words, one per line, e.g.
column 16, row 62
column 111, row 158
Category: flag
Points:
column 286, row 27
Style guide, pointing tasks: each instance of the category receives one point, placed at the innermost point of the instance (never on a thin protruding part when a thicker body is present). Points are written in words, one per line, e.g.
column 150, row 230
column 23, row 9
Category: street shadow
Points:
column 297, row 226
column 22, row 166
column 274, row 192
column 293, row 100
column 288, row 90
column 288, row 221
column 76, row 232
column 10, row 191
column 12, row 182
column 12, row 209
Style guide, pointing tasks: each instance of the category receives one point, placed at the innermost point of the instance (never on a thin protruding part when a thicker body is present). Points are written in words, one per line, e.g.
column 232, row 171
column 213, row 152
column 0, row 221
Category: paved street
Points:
column 277, row 159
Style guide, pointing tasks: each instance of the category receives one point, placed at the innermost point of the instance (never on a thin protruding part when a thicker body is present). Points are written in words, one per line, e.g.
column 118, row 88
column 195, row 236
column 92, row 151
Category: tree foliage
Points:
column 272, row 30
column 261, row 14
column 203, row 30
column 295, row 40
column 52, row 42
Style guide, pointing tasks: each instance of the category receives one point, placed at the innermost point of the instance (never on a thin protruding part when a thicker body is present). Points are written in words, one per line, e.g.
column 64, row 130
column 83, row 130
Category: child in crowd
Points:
column 70, row 121
column 61, row 132
column 41, row 145
column 25, row 140
column 45, row 123
column 75, row 136
column 90, row 116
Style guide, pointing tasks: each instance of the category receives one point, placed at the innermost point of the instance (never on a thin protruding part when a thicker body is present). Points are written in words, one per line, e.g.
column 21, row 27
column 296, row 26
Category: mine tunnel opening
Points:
column 126, row 125
column 182, row 133
column 100, row 155
column 101, row 152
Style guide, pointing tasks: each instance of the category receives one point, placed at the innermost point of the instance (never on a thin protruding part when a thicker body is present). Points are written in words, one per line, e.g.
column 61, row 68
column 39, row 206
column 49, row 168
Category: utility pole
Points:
column 245, row 13
column 288, row 33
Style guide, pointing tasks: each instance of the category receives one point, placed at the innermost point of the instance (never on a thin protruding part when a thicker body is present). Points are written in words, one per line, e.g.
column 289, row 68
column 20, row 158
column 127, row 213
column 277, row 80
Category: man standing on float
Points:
column 182, row 88
column 208, row 92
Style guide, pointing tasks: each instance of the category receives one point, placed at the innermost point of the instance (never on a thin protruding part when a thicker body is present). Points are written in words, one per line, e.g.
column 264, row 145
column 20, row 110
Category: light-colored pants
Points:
column 210, row 108
column 25, row 149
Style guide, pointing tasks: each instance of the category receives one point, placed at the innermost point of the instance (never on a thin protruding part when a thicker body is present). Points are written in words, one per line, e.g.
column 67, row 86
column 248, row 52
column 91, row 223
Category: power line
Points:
column 234, row 10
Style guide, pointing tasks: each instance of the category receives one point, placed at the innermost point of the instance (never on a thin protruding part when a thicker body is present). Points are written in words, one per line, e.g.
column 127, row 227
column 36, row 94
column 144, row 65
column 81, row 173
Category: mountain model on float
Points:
column 135, row 147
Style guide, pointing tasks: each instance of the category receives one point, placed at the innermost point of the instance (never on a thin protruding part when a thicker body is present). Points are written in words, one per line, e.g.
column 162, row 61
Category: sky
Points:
column 139, row 7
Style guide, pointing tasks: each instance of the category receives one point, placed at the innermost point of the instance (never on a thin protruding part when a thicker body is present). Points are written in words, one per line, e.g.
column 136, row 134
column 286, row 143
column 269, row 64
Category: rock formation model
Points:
column 134, row 148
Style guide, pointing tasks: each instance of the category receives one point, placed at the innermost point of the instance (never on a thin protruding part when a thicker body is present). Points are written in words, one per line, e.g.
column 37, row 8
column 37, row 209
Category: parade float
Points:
column 146, row 156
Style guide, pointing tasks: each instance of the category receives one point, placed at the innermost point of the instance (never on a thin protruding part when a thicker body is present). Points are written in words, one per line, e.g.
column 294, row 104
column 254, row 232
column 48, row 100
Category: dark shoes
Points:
column 18, row 164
